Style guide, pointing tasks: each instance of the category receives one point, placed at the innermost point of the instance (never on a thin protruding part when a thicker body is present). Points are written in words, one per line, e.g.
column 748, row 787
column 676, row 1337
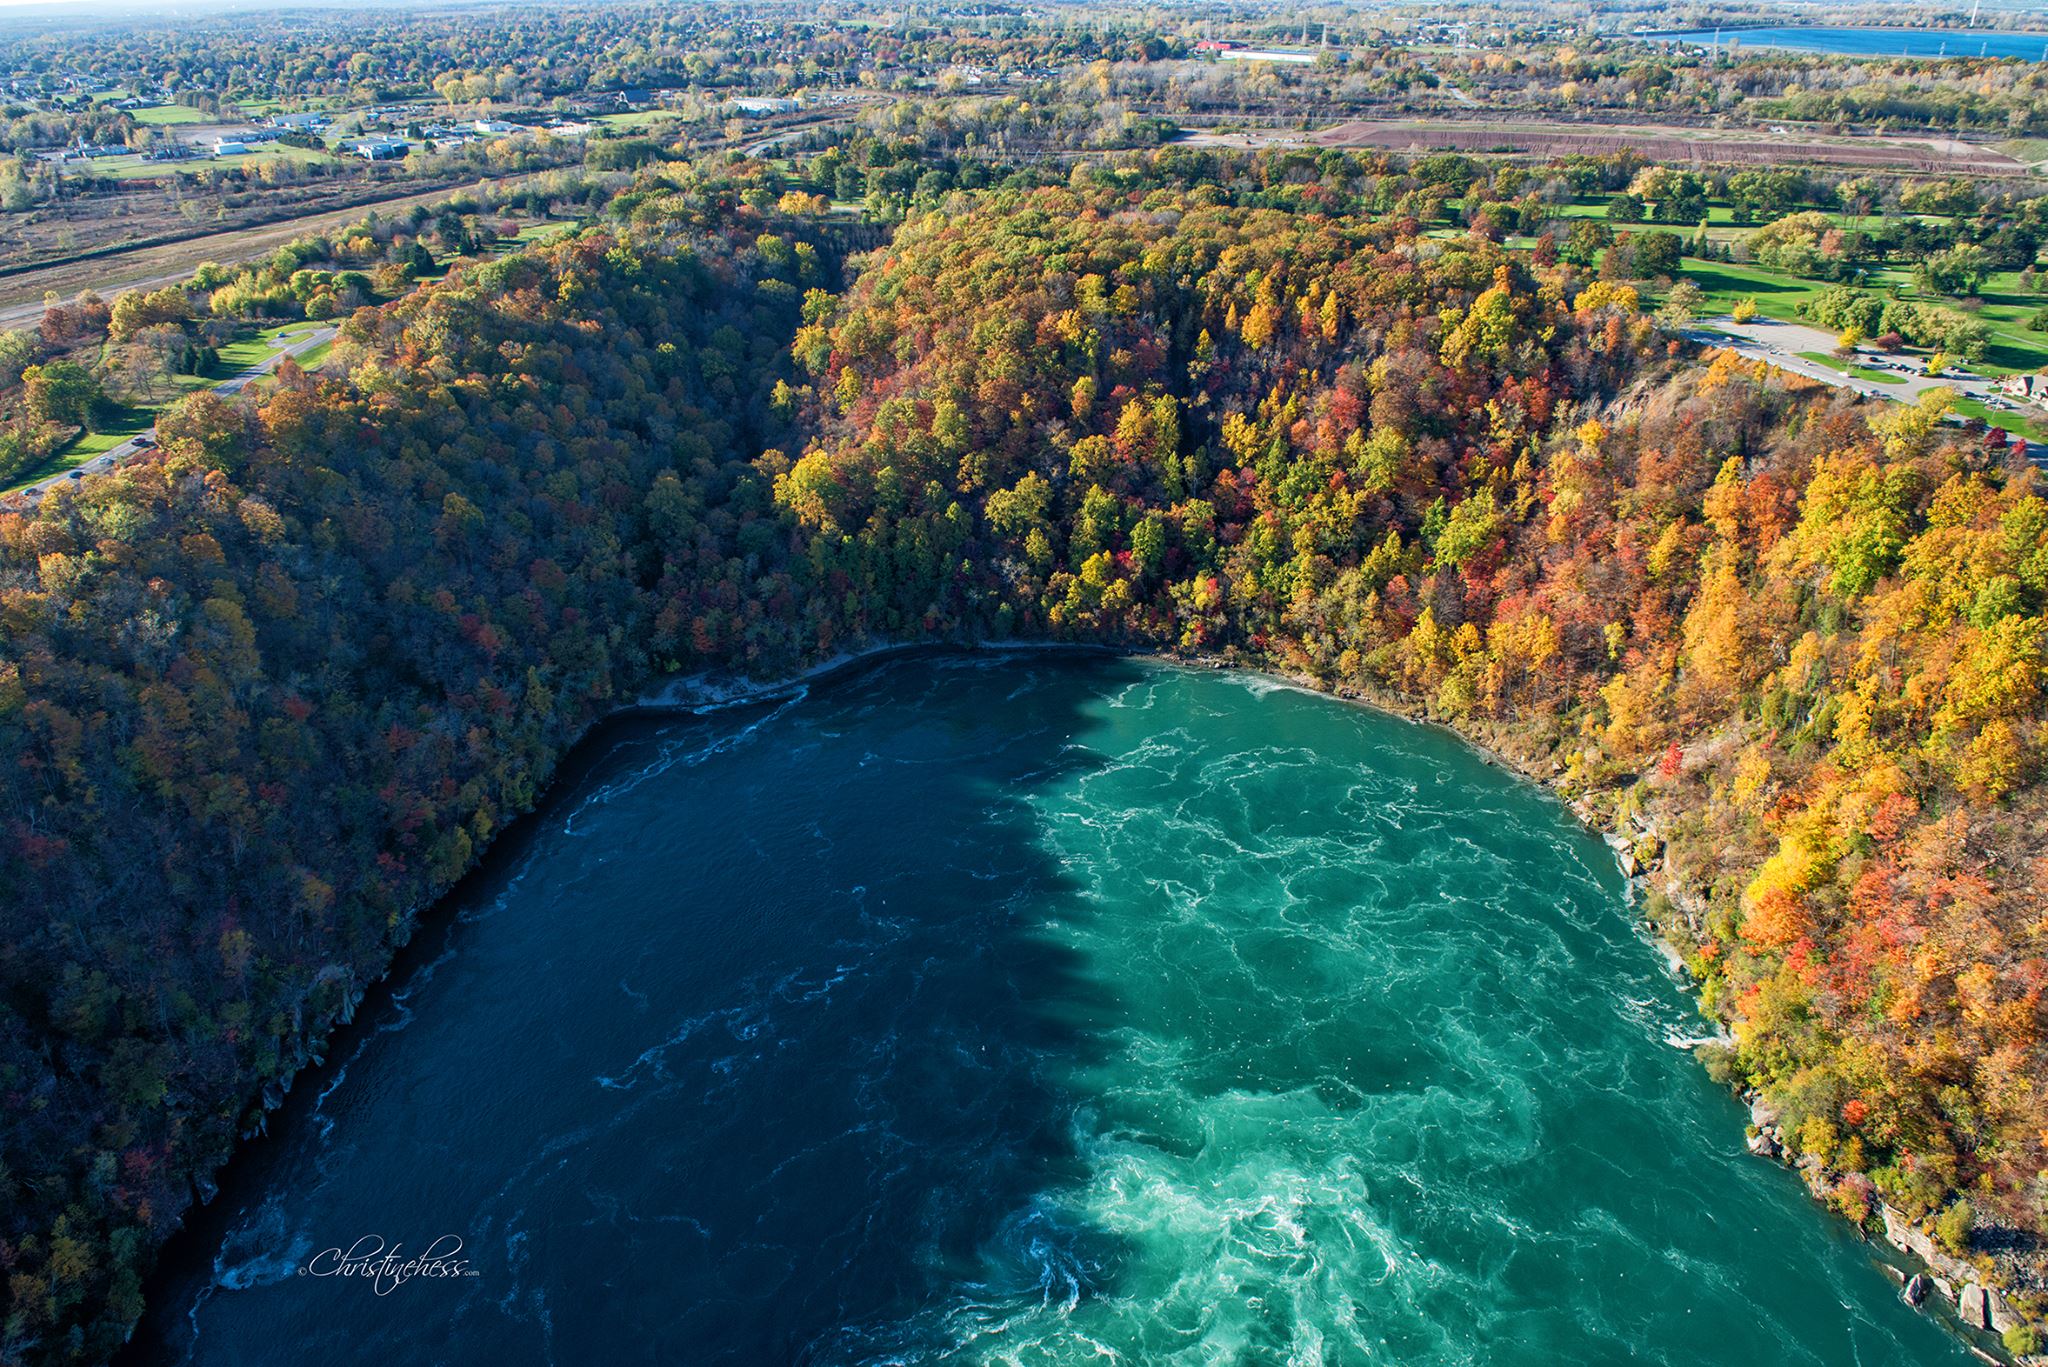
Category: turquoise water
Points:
column 1034, row 1011
column 1874, row 42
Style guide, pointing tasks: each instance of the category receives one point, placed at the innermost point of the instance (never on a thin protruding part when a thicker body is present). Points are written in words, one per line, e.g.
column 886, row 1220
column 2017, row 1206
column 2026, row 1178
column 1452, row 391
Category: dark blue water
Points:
column 1035, row 1011
column 1874, row 42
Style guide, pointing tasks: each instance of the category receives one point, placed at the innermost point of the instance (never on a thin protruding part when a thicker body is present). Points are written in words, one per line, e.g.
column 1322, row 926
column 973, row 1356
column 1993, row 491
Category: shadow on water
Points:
column 750, row 1046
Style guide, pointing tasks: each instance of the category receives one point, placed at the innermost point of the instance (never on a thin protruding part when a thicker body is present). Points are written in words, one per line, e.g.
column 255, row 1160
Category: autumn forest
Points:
column 270, row 691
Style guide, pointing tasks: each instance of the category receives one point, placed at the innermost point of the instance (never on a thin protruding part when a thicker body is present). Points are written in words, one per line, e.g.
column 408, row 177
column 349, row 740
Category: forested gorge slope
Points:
column 265, row 695
column 263, row 698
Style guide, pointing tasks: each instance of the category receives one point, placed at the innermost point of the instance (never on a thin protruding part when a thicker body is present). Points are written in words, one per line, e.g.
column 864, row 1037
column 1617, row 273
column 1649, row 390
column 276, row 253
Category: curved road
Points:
column 146, row 438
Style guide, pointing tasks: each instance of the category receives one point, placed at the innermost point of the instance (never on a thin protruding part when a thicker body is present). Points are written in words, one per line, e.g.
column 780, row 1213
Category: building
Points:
column 380, row 149
column 229, row 147
column 299, row 123
column 81, row 151
column 1247, row 54
column 760, row 105
column 497, row 128
column 2026, row 388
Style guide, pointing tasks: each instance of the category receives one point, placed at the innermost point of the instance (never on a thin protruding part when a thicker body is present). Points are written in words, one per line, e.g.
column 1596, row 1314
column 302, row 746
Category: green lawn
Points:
column 546, row 228
column 116, row 427
column 1721, row 224
column 122, row 423
column 2025, row 149
column 238, row 355
column 2004, row 307
column 1857, row 372
column 273, row 105
column 638, row 119
column 1726, row 284
column 64, row 460
column 277, row 151
column 317, row 357
column 2018, row 424
column 172, row 113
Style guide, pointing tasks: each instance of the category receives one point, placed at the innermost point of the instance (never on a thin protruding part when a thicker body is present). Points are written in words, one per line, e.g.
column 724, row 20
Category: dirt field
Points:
column 1747, row 147
column 157, row 208
column 21, row 296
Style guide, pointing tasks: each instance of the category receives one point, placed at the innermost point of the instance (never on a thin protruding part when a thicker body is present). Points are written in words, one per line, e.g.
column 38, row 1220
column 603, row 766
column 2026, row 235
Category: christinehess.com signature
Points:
column 386, row 1267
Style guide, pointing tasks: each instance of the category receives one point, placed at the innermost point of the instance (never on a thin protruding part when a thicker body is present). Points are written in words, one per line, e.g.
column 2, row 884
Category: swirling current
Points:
column 1029, row 1010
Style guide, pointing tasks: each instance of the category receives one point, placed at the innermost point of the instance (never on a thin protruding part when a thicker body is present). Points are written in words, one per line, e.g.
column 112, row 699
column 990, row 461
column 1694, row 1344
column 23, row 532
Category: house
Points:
column 380, row 149
column 2026, row 388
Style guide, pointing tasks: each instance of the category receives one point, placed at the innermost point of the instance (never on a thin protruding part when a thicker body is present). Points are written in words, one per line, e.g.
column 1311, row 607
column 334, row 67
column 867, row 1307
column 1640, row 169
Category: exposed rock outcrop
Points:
column 1908, row 1237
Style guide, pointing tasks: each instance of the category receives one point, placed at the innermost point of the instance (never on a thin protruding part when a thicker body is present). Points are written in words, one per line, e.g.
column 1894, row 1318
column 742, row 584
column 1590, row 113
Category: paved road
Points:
column 146, row 438
column 769, row 144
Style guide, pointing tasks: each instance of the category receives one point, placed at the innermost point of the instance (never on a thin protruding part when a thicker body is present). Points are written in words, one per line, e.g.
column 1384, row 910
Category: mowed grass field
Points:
column 135, row 167
column 166, row 114
column 1854, row 372
column 238, row 355
column 2006, row 308
column 2003, row 306
column 642, row 118
column 2004, row 311
column 1777, row 295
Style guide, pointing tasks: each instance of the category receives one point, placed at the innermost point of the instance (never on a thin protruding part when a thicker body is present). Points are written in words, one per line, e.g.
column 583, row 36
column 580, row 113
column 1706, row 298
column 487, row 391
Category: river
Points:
column 1032, row 1010
column 1870, row 42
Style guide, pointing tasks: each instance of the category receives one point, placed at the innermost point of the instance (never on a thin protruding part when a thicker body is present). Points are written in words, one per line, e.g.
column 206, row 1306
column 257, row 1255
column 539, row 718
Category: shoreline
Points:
column 1905, row 1251
column 708, row 693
